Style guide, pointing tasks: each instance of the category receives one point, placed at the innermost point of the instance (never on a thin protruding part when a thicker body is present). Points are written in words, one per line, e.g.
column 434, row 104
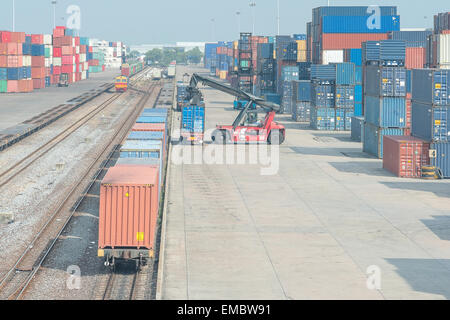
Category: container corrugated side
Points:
column 359, row 24
column 128, row 208
column 301, row 90
column 323, row 72
column 345, row 97
column 385, row 112
column 385, row 81
column 373, row 138
column 404, row 156
column 431, row 86
column 339, row 41
column 431, row 123
column 357, row 129
column 323, row 118
column 323, row 95
column 351, row 11
column 443, row 51
column 345, row 73
column 301, row 111
column 332, row 56
column 442, row 160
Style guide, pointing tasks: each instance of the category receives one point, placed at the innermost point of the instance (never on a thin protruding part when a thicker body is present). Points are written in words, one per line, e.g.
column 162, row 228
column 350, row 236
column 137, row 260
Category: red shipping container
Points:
column 122, row 224
column 404, row 156
column 57, row 52
column 25, row 85
column 59, row 32
column 159, row 127
column 77, row 41
column 55, row 78
column 38, row 61
column 62, row 41
column 91, row 49
column 14, row 61
column 48, row 72
column 415, row 58
column 66, row 60
column 12, row 86
column 67, row 51
column 77, row 58
column 340, row 41
column 3, row 49
column 3, row 62
column 103, row 68
column 5, row 36
column 37, row 39
column 38, row 73
column 82, row 49
column 14, row 48
column 408, row 113
column 67, row 69
column 56, row 70
column 18, row 37
column 38, row 83
column 78, row 76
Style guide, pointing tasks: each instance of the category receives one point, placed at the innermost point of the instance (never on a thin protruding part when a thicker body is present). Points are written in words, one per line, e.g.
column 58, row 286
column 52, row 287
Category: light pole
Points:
column 238, row 13
column 54, row 13
column 278, row 17
column 253, row 6
column 14, row 15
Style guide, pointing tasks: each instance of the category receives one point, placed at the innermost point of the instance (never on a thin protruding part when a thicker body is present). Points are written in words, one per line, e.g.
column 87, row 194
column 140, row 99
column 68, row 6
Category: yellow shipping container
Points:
column 301, row 56
column 301, row 45
column 236, row 45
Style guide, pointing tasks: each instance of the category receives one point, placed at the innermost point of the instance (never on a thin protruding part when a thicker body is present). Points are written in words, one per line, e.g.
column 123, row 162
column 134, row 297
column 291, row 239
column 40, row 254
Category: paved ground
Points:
column 311, row 231
column 18, row 107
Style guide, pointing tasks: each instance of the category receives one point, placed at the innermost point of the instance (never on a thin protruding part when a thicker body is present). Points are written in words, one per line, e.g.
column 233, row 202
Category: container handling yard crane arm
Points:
column 239, row 132
column 241, row 95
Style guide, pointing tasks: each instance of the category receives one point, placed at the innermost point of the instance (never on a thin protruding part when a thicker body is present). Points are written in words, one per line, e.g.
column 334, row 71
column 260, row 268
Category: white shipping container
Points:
column 48, row 39
column 48, row 62
column 83, row 75
column 73, row 42
column 57, row 62
column 443, row 51
column 332, row 56
column 73, row 76
column 82, row 57
column 26, row 61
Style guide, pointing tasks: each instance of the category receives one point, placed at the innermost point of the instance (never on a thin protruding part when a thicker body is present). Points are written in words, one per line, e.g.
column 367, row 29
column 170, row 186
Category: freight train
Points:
column 131, row 68
column 131, row 192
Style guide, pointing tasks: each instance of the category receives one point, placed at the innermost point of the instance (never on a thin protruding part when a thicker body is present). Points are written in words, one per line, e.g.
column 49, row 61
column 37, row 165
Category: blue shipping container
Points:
column 442, row 160
column 345, row 97
column 193, row 119
column 323, row 118
column 357, row 129
column 358, row 110
column 345, row 73
column 384, row 50
column 343, row 119
column 387, row 112
column 301, row 111
column 14, row 74
column 26, row 49
column 359, row 24
column 352, row 11
column 431, row 86
column 358, row 94
column 356, row 56
column 151, row 119
column 302, row 90
column 37, row 50
column 430, row 123
column 158, row 111
column 3, row 74
column 358, row 75
column 373, row 138
column 146, row 135
column 273, row 97
column 385, row 81
column 323, row 95
column 323, row 72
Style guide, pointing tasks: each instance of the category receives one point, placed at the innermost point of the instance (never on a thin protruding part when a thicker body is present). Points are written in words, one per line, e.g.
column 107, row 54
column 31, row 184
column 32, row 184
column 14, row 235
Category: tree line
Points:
column 164, row 57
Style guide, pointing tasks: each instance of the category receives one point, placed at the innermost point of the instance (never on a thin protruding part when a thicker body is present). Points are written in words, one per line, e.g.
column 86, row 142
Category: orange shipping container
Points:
column 340, row 41
column 3, row 61
column 128, row 208
column 14, row 61
column 415, row 58
column 25, row 85
column 13, row 86
column 37, row 72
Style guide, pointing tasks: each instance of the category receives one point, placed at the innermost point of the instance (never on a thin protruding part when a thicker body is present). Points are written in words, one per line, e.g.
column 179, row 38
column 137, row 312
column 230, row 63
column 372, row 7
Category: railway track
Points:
column 18, row 167
column 18, row 279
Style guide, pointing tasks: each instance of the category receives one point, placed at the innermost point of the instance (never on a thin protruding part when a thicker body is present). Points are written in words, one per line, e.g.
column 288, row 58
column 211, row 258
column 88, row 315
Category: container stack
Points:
column 323, row 81
column 245, row 70
column 39, row 62
column 301, row 100
column 255, row 41
column 431, row 114
column 288, row 74
column 15, row 65
column 301, row 47
column 384, row 93
column 333, row 96
column 210, row 55
column 286, row 56
column 64, row 48
column 438, row 44
column 334, row 29
column 265, row 81
column 97, row 57
column 416, row 43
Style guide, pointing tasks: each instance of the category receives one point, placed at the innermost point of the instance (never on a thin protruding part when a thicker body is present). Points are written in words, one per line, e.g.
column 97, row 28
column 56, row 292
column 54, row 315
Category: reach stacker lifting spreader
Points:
column 246, row 128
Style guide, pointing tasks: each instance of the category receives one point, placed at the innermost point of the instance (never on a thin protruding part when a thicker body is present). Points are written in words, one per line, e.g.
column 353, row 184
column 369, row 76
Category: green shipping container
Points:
column 3, row 86
column 47, row 52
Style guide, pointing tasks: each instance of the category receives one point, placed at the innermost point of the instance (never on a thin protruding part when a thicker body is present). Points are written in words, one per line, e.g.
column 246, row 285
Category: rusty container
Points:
column 129, row 208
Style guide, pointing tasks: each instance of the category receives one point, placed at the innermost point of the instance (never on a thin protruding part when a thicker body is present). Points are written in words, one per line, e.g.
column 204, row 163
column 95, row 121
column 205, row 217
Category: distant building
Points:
column 179, row 45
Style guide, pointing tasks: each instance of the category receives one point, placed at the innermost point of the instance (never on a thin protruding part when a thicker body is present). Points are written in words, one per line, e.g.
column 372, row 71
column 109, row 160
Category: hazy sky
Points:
column 166, row 21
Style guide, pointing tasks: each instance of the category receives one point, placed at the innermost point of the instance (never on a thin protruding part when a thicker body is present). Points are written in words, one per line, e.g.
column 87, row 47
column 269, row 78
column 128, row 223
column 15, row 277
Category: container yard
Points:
column 311, row 165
